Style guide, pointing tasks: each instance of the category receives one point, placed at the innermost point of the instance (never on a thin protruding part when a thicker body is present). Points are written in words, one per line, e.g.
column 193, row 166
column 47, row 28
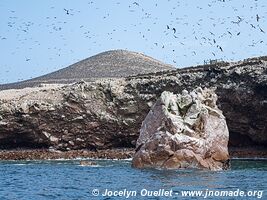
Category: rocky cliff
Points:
column 109, row 112
column 184, row 130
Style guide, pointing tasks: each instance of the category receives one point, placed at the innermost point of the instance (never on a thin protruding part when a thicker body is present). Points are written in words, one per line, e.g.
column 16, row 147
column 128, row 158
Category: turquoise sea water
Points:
column 67, row 180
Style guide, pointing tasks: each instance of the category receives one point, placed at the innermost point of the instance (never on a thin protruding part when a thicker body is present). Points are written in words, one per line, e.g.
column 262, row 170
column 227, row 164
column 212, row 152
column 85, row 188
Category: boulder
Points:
column 186, row 130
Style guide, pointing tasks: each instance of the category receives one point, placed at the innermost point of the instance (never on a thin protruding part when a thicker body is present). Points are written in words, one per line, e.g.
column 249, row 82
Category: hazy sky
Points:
column 38, row 37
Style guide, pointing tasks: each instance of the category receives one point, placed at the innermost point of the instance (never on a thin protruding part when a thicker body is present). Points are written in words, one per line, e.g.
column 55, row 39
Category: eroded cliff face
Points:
column 109, row 112
column 184, row 130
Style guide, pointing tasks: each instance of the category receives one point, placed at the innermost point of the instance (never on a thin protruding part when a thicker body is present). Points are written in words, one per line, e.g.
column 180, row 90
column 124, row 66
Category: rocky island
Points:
column 184, row 131
column 78, row 111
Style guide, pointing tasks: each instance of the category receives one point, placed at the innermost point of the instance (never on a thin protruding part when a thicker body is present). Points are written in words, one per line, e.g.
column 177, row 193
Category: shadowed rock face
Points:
column 109, row 113
column 184, row 131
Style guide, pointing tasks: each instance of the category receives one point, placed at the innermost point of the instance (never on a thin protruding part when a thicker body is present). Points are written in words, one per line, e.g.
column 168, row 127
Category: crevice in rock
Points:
column 239, row 140
column 21, row 141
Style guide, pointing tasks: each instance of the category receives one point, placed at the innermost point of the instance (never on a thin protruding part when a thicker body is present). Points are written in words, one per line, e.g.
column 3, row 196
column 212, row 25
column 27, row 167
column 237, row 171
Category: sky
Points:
column 38, row 37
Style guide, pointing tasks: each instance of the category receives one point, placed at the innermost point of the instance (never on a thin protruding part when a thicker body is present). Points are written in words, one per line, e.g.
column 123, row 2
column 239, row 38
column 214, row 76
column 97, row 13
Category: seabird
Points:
column 67, row 11
column 257, row 17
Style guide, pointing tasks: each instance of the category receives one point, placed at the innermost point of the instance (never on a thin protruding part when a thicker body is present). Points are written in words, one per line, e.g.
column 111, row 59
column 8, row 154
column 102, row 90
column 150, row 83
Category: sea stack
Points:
column 186, row 130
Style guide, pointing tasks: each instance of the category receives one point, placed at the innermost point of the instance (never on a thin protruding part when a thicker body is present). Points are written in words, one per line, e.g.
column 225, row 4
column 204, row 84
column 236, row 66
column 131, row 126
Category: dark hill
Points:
column 109, row 64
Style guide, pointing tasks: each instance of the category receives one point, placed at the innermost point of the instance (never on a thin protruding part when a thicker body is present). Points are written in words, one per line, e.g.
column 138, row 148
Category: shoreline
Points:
column 45, row 154
column 118, row 154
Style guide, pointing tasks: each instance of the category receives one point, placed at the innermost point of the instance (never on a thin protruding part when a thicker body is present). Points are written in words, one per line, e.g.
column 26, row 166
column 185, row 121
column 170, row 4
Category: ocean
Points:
column 116, row 179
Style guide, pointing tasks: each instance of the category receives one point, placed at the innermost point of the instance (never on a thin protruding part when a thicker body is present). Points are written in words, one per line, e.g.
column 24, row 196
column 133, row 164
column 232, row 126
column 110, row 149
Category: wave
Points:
column 91, row 166
column 22, row 164
column 249, row 158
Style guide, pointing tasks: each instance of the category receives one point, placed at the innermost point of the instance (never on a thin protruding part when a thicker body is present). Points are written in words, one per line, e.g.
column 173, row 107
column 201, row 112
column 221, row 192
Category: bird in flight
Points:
column 212, row 33
column 67, row 11
column 261, row 29
column 220, row 48
column 252, row 26
column 136, row 3
column 258, row 18
column 238, row 21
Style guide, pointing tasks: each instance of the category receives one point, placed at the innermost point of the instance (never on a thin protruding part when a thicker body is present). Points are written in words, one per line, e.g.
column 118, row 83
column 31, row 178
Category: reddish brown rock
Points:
column 108, row 113
column 184, row 131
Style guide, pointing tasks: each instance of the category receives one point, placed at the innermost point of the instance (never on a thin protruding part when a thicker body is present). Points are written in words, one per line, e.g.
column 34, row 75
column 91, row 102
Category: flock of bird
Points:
column 178, row 31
